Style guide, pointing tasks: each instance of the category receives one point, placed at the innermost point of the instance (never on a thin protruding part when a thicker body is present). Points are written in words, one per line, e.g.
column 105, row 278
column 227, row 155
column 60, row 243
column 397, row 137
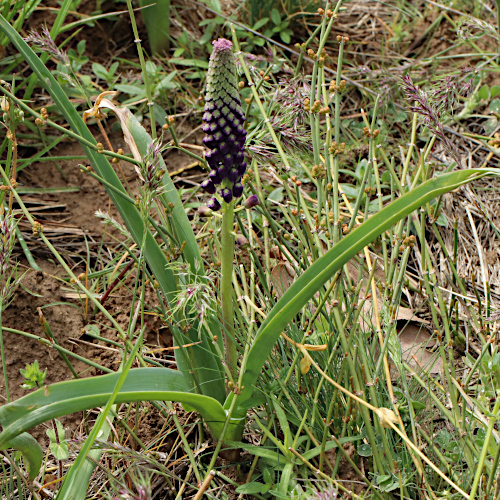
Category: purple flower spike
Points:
column 223, row 119
column 213, row 204
column 238, row 190
column 227, row 195
column 233, row 175
column 251, row 201
column 209, row 186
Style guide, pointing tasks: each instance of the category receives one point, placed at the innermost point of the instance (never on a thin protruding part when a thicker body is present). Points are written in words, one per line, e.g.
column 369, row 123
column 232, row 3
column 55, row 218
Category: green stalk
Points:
column 226, row 287
column 498, row 16
column 145, row 76
column 484, row 451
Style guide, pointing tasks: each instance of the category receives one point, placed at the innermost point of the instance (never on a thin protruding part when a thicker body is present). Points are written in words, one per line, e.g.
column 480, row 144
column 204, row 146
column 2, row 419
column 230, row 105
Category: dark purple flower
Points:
column 215, row 177
column 233, row 175
column 212, row 158
column 209, row 186
column 251, row 201
column 222, row 171
column 238, row 190
column 242, row 169
column 213, row 204
column 227, row 195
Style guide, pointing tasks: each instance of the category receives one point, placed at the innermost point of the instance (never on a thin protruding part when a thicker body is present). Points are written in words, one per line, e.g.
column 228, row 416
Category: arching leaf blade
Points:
column 311, row 281
column 141, row 384
column 31, row 451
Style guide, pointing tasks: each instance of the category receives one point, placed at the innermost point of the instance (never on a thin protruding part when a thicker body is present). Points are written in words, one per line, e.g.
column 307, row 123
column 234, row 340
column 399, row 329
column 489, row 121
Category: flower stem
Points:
column 226, row 287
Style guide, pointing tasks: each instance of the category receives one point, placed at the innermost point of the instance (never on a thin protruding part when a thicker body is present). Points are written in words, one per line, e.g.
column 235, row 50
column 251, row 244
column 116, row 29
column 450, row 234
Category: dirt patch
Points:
column 41, row 290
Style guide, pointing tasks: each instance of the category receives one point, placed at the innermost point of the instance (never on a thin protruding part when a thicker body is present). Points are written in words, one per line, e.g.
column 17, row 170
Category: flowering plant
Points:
column 223, row 125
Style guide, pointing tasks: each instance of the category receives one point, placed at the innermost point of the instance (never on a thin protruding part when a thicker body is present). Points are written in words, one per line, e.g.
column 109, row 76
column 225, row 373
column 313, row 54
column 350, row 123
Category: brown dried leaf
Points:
column 282, row 276
column 415, row 344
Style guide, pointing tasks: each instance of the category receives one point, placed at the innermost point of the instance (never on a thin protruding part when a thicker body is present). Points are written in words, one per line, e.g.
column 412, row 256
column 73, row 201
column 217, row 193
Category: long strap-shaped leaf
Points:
column 304, row 288
column 201, row 352
column 141, row 384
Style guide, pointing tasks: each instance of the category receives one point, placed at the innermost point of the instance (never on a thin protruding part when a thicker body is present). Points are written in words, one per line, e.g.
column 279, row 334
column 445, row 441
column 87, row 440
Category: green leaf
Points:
column 285, row 428
column 80, row 47
column 490, row 125
column 276, row 195
column 276, row 17
column 31, row 451
column 285, row 36
column 58, row 446
column 260, row 23
column 364, row 450
column 60, row 450
column 442, row 220
column 198, row 63
column 100, row 71
column 141, row 384
column 495, row 106
column 166, row 83
column 157, row 20
column 330, row 445
column 258, row 451
column 494, row 91
column 286, row 477
column 130, row 89
column 484, row 92
column 313, row 279
column 151, row 68
column 252, row 488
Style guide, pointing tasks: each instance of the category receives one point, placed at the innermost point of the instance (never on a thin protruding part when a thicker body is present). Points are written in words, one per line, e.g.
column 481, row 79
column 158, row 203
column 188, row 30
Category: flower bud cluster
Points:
column 318, row 171
column 223, row 125
column 368, row 133
column 337, row 149
column 337, row 88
